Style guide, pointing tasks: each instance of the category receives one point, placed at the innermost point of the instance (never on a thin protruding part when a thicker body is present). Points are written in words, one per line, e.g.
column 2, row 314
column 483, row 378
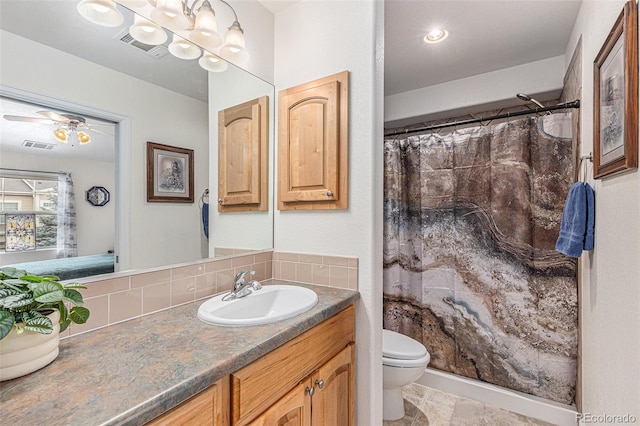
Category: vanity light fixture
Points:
column 100, row 12
column 146, row 31
column 183, row 49
column 212, row 63
column 199, row 18
column 436, row 35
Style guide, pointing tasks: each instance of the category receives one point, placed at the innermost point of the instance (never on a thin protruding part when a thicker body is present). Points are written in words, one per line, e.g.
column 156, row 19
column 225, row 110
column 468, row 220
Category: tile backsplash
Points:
column 333, row 271
column 120, row 297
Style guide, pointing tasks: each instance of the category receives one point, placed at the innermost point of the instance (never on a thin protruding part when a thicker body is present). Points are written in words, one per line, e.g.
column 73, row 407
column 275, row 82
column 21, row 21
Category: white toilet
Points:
column 403, row 362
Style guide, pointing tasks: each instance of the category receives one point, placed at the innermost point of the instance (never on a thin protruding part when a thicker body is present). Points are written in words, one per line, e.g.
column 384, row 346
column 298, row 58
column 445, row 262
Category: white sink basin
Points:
column 270, row 304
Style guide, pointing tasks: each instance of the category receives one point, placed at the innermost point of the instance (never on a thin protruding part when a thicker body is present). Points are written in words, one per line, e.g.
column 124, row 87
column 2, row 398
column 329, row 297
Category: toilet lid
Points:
column 399, row 346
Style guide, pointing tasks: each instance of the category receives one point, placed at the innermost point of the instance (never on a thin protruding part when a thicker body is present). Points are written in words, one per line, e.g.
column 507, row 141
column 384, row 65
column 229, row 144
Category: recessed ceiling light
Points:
column 436, row 35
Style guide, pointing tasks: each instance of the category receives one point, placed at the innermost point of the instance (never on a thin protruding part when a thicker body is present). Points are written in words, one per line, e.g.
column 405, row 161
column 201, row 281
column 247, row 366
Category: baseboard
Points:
column 496, row 396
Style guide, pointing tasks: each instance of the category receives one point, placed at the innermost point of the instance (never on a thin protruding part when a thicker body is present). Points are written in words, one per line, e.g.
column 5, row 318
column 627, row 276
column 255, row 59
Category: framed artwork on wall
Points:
column 20, row 232
column 169, row 174
column 615, row 94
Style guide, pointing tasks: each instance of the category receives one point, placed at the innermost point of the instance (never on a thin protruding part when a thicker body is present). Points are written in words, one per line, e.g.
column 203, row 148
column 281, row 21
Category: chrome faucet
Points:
column 242, row 288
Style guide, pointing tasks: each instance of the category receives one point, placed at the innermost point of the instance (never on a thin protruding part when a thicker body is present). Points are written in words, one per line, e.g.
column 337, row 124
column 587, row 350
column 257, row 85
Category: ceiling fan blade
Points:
column 28, row 119
column 54, row 116
column 91, row 129
column 101, row 124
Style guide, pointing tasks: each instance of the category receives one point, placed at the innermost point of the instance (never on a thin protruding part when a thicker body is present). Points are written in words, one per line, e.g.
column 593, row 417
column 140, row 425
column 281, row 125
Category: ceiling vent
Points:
column 153, row 51
column 38, row 145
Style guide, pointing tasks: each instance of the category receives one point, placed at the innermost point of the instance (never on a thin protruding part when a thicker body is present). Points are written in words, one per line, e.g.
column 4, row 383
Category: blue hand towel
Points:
column 205, row 218
column 578, row 220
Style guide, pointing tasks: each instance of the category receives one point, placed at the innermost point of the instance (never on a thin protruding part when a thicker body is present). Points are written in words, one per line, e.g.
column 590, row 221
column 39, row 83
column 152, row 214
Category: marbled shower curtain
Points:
column 471, row 220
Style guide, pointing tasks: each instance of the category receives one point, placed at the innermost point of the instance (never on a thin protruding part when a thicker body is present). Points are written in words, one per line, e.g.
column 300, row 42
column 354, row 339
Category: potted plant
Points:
column 33, row 311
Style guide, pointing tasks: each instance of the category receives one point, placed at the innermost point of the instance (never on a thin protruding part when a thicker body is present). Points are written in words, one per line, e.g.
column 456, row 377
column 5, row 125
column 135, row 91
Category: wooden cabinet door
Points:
column 242, row 156
column 333, row 402
column 294, row 409
column 312, row 144
column 209, row 407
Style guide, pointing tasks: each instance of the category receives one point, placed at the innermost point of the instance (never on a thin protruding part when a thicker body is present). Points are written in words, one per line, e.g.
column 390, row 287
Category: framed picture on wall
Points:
column 169, row 174
column 615, row 87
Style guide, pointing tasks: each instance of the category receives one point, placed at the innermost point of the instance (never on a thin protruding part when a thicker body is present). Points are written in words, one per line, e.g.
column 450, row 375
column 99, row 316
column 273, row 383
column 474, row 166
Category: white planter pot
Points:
column 21, row 354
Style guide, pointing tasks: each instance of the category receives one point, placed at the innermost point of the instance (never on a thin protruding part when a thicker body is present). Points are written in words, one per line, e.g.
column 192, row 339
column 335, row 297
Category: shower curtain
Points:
column 471, row 218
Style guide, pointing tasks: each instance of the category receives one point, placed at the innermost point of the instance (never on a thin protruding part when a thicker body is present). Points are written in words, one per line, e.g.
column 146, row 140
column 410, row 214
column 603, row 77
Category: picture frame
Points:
column 169, row 174
column 20, row 232
column 615, row 95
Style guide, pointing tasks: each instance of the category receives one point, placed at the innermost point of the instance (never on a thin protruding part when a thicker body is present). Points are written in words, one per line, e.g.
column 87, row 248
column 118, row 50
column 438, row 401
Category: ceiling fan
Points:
column 66, row 124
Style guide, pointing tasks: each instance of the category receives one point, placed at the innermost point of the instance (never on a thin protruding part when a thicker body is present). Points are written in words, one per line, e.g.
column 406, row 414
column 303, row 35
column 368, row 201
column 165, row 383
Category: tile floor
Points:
column 426, row 406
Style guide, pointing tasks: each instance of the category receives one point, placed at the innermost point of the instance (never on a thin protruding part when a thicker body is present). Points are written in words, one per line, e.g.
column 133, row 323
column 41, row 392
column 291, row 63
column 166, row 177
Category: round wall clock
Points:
column 98, row 195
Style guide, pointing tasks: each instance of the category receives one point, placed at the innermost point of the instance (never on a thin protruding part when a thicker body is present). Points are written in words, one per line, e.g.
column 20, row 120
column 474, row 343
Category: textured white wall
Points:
column 314, row 39
column 610, row 299
column 490, row 88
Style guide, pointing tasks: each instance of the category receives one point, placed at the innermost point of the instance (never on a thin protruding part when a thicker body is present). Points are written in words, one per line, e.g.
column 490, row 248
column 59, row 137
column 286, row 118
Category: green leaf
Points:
column 11, row 272
column 63, row 311
column 47, row 292
column 16, row 301
column 79, row 314
column 39, row 324
column 4, row 292
column 6, row 323
column 73, row 296
column 32, row 278
column 64, row 325
column 74, row 285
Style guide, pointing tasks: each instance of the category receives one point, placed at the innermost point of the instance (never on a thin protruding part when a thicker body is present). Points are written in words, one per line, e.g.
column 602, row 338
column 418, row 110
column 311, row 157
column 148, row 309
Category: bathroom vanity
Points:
column 171, row 368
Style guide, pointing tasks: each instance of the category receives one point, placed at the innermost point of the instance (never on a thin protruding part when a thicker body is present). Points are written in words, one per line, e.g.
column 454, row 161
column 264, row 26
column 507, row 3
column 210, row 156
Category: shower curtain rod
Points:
column 565, row 105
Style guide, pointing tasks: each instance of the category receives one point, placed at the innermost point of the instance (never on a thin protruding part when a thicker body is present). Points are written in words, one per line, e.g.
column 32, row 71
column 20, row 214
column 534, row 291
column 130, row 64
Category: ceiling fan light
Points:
column 100, row 12
column 168, row 13
column 183, row 49
column 84, row 138
column 61, row 135
column 146, row 31
column 212, row 63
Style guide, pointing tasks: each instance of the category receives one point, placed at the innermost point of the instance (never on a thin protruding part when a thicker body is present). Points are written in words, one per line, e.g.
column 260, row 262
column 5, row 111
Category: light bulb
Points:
column 100, row 12
column 146, row 31
column 233, row 48
column 183, row 49
column 212, row 63
column 61, row 135
column 84, row 138
column 205, row 30
column 436, row 35
column 168, row 13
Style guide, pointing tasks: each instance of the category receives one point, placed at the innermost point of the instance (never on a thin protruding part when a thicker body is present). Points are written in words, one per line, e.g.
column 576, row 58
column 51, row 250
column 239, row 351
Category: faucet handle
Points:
column 240, row 275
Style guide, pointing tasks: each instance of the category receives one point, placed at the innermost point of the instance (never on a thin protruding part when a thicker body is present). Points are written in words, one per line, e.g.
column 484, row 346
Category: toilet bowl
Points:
column 403, row 362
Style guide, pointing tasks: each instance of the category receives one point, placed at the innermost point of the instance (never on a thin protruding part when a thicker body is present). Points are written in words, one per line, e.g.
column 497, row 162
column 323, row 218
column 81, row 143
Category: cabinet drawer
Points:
column 209, row 407
column 260, row 384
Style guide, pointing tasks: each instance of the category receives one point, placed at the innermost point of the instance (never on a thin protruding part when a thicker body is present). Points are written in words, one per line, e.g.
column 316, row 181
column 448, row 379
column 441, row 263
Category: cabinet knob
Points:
column 310, row 390
column 329, row 194
column 320, row 383
column 219, row 200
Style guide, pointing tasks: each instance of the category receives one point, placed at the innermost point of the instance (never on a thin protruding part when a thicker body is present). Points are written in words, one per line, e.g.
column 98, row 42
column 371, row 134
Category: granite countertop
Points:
column 129, row 373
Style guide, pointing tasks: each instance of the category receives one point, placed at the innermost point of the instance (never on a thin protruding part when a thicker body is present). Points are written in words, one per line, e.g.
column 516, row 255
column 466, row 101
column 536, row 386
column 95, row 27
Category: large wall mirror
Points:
column 55, row 63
